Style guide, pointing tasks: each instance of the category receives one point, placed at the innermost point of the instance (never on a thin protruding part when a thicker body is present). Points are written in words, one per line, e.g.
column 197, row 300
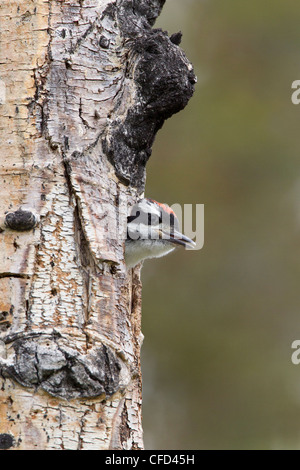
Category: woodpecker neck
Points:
column 138, row 250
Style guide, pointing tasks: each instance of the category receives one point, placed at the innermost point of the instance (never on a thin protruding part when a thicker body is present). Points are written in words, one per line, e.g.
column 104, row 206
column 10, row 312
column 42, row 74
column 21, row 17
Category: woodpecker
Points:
column 152, row 232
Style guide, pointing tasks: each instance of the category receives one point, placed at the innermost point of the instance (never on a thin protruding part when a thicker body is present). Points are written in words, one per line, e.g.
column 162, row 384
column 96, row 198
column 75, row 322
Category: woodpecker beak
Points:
column 178, row 239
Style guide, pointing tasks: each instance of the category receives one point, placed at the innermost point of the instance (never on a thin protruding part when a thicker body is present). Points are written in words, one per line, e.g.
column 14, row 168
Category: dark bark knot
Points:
column 104, row 42
column 63, row 372
column 6, row 441
column 164, row 75
column 165, row 82
column 20, row 220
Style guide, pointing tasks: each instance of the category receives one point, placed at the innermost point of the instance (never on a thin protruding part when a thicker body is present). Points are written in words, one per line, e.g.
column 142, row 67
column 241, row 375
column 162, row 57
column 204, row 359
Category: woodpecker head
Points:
column 152, row 232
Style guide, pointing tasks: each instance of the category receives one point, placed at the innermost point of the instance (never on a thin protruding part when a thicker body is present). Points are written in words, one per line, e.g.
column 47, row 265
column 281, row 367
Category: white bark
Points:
column 60, row 283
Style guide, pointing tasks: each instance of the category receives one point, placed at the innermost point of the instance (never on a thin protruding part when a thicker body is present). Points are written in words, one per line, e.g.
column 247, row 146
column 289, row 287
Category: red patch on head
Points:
column 164, row 207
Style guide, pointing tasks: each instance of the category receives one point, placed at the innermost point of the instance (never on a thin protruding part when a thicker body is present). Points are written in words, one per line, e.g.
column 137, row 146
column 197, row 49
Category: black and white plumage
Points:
column 152, row 232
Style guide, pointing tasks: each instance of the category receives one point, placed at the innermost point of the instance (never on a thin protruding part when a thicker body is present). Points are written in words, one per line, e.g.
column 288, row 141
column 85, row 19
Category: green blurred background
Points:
column 219, row 322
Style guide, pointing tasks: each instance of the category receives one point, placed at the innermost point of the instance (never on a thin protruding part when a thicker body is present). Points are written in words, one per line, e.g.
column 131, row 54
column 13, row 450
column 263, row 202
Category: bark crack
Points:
column 16, row 275
column 84, row 121
column 81, row 430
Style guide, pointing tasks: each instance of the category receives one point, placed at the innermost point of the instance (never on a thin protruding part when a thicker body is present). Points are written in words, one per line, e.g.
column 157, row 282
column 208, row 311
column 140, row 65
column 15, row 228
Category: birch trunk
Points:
column 84, row 87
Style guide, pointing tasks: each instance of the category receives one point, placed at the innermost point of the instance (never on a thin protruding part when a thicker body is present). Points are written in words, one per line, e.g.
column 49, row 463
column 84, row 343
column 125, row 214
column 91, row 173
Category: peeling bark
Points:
column 87, row 86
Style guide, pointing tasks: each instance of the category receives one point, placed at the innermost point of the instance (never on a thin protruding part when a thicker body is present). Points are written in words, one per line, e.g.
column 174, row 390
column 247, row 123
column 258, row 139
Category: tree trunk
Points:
column 84, row 87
